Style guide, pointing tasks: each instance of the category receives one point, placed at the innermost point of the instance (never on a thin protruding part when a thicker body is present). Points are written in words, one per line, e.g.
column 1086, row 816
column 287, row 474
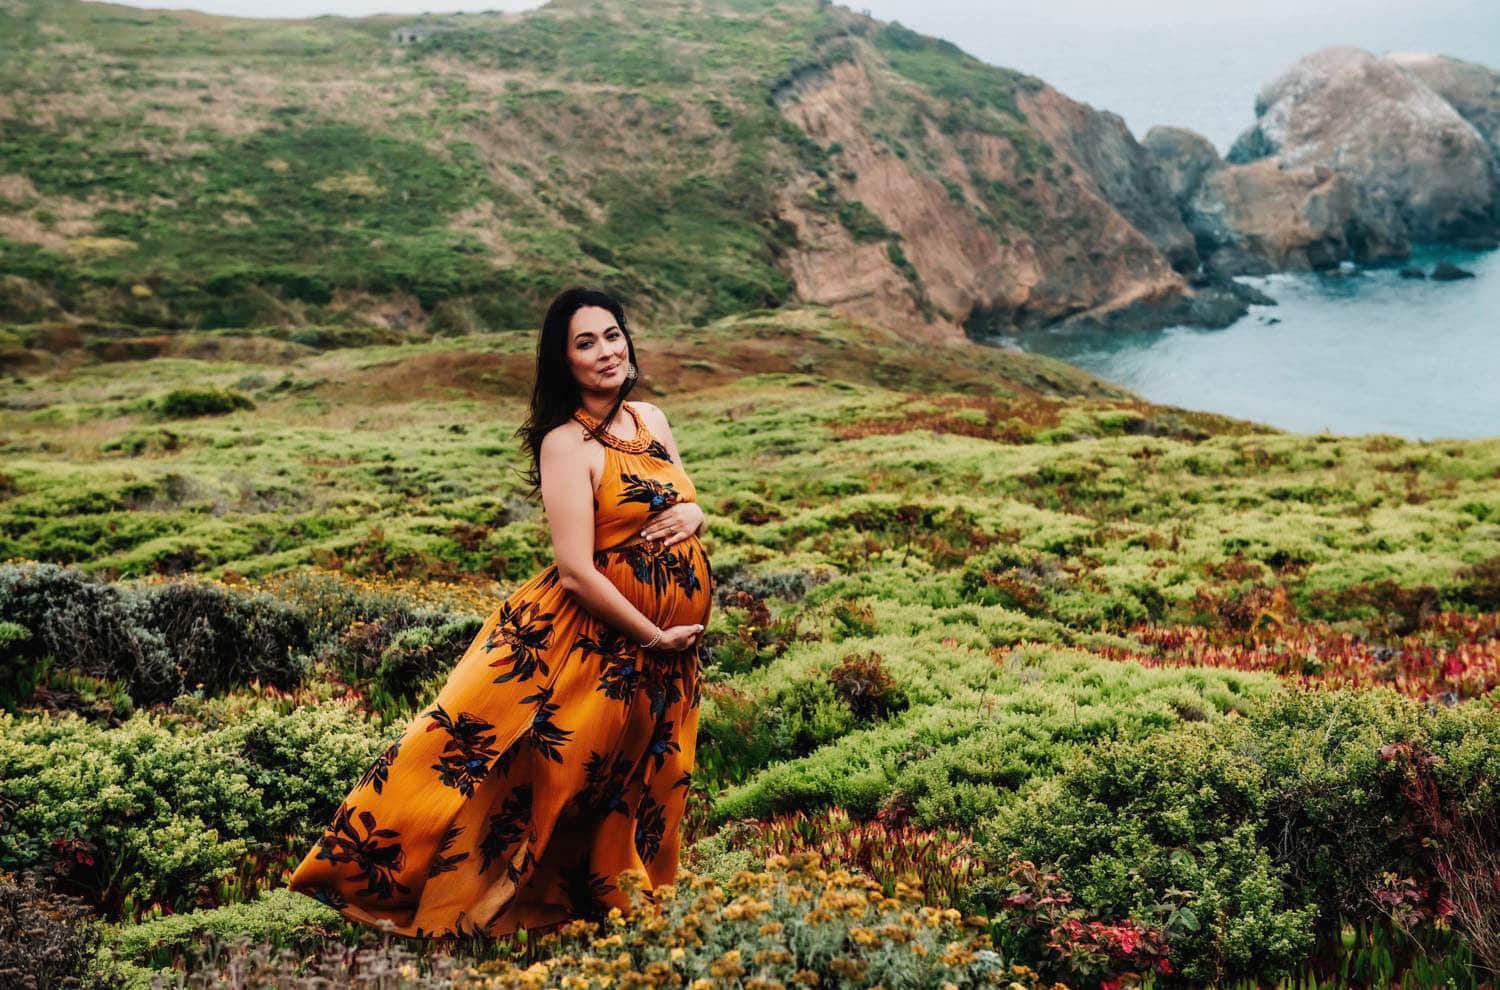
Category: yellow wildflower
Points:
column 806, row 860
column 727, row 965
column 845, row 966
column 954, row 954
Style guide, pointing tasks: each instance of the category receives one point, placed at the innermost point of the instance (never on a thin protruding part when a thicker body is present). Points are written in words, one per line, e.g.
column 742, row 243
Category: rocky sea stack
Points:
column 1352, row 156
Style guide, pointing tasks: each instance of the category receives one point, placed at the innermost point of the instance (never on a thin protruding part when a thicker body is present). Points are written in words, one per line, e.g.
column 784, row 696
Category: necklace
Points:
column 634, row 445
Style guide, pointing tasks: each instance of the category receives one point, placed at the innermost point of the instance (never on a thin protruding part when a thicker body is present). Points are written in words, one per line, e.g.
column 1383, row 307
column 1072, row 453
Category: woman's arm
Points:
column 662, row 430
column 568, row 496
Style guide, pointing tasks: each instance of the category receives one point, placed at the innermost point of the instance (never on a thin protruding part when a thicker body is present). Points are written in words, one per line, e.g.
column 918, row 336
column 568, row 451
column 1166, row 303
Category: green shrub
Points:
column 1131, row 822
column 162, row 807
column 160, row 640
column 1269, row 828
column 184, row 403
column 278, row 918
column 19, row 665
column 948, row 761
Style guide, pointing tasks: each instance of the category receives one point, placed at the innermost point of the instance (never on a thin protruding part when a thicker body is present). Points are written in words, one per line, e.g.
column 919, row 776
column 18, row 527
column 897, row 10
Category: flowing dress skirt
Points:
column 557, row 757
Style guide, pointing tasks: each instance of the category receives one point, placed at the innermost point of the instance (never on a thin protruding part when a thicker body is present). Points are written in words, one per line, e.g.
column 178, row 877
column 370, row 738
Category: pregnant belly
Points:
column 671, row 586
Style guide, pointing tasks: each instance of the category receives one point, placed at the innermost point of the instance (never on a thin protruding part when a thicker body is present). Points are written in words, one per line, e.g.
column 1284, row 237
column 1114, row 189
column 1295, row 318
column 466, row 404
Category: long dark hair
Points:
column 555, row 393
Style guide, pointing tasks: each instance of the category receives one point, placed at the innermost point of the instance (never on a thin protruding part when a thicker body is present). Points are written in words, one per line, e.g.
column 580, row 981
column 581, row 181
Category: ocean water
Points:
column 1362, row 352
column 1369, row 352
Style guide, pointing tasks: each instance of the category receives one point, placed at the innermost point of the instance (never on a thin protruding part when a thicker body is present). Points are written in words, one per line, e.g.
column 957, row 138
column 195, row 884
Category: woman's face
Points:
column 597, row 352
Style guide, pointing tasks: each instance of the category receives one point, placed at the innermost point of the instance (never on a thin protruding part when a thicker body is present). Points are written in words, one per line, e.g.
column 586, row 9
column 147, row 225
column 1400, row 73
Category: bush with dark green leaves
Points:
column 162, row 807
column 219, row 638
column 160, row 640
column 19, row 665
column 1268, row 830
column 185, row 403
column 399, row 652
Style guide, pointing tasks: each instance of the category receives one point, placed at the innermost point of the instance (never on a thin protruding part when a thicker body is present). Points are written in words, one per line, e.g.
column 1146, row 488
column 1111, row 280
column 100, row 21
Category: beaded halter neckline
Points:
column 635, row 445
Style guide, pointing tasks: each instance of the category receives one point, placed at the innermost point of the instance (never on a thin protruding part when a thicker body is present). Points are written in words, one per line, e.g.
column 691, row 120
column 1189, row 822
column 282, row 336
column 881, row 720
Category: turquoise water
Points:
column 1364, row 352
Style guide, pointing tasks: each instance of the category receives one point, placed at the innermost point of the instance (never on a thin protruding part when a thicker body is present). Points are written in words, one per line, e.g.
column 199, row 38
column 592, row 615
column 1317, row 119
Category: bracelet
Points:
column 654, row 640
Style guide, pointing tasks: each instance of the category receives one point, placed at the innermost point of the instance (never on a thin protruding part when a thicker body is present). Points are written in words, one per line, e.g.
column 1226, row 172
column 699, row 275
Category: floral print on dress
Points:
column 378, row 861
column 653, row 494
column 467, row 754
column 525, row 629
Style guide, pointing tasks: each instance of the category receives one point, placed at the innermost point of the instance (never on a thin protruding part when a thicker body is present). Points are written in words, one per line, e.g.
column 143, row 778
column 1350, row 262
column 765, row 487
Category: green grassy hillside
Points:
column 172, row 170
column 984, row 625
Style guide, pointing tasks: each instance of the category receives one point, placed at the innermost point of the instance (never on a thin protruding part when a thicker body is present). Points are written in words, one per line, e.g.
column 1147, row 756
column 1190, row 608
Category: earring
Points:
column 631, row 372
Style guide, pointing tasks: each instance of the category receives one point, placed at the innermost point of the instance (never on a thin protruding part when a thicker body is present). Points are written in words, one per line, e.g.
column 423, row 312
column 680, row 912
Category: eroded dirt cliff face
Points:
column 990, row 229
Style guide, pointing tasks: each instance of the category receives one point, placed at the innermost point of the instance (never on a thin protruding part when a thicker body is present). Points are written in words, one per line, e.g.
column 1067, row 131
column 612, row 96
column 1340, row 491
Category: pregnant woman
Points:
column 557, row 756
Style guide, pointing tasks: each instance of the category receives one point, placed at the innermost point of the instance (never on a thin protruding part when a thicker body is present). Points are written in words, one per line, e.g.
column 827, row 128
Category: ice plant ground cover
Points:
column 1160, row 696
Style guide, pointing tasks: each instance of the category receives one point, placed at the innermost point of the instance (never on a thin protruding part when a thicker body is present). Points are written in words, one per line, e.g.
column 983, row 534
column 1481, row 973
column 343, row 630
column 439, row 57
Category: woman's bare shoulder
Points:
column 564, row 436
column 651, row 411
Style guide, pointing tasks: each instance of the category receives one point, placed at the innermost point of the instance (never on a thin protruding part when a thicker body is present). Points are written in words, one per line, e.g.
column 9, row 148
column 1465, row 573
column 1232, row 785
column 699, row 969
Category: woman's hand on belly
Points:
column 675, row 523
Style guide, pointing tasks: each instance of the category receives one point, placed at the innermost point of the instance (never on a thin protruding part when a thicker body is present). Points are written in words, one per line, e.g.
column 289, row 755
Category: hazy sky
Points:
column 1192, row 63
column 959, row 15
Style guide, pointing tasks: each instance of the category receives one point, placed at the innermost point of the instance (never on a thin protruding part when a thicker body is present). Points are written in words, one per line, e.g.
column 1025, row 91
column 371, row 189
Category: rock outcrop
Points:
column 1471, row 89
column 1122, row 170
column 1261, row 217
column 1183, row 158
column 1378, row 125
column 1258, row 218
column 1352, row 157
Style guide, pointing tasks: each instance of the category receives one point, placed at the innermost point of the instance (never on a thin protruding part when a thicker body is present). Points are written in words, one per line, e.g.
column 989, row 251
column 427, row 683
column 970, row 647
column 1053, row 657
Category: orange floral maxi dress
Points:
column 556, row 757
